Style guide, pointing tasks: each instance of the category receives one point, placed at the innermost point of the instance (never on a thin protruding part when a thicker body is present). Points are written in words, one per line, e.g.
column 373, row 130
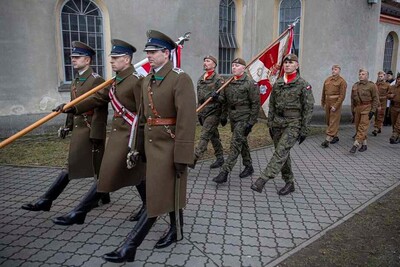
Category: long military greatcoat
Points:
column 114, row 173
column 91, row 125
column 173, row 97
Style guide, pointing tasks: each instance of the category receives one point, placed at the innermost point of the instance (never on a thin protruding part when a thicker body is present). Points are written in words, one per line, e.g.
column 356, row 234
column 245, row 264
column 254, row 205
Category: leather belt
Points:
column 365, row 103
column 161, row 121
column 333, row 96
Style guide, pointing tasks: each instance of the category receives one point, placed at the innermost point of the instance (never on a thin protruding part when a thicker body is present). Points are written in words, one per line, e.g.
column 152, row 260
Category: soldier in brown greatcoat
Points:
column 333, row 94
column 364, row 102
column 394, row 95
column 169, row 108
column 383, row 89
column 88, row 132
column 124, row 96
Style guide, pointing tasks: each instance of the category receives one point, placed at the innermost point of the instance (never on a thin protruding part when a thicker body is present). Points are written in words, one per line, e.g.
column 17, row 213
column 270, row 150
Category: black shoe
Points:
column 218, row 163
column 287, row 189
column 334, row 140
column 248, row 170
column 392, row 140
column 71, row 218
column 38, row 205
column 105, row 199
column 221, row 178
column 379, row 130
column 363, row 148
column 136, row 216
column 375, row 132
column 325, row 144
column 171, row 236
column 258, row 185
column 125, row 254
column 353, row 149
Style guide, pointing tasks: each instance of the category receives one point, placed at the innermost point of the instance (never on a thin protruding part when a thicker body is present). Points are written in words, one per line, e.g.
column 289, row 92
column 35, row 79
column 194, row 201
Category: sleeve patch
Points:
column 178, row 70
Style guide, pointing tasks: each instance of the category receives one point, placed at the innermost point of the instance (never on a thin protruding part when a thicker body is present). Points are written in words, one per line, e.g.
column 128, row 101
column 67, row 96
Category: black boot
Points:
column 375, row 132
column 127, row 251
column 171, row 236
column 363, row 148
column 78, row 214
column 221, row 178
column 141, row 188
column 105, row 199
column 287, row 189
column 353, row 149
column 218, row 163
column 335, row 140
column 325, row 144
column 45, row 201
column 258, row 185
column 248, row 170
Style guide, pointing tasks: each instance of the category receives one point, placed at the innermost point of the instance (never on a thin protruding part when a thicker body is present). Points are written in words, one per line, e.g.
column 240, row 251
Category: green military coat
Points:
column 173, row 97
column 113, row 171
column 84, row 128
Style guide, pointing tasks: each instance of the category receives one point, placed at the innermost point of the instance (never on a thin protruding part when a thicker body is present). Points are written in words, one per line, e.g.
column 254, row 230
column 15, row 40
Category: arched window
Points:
column 388, row 56
column 81, row 20
column 227, row 39
column 289, row 10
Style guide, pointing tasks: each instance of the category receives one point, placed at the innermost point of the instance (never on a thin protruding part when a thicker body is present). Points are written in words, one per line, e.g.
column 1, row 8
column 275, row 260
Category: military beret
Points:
column 239, row 61
column 336, row 66
column 390, row 72
column 121, row 48
column 211, row 58
column 158, row 41
column 80, row 49
column 290, row 57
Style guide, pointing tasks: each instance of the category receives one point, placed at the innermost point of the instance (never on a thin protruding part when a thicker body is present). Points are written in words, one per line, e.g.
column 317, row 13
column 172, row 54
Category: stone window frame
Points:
column 227, row 36
column 390, row 54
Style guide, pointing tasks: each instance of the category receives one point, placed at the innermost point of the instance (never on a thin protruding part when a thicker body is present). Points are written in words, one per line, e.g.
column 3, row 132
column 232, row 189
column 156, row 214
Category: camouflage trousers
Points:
column 239, row 145
column 209, row 132
column 284, row 139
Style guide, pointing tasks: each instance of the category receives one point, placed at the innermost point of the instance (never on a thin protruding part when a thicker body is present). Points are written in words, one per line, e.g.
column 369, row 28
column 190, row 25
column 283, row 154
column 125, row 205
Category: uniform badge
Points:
column 263, row 89
column 308, row 87
column 94, row 74
column 137, row 75
column 178, row 70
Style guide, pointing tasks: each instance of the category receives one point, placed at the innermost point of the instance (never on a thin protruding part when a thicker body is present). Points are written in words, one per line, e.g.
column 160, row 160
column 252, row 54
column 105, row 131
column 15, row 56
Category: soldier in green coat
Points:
column 88, row 132
column 290, row 111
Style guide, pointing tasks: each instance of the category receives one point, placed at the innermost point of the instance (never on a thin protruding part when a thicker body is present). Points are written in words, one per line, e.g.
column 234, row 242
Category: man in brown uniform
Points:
column 394, row 95
column 124, row 96
column 333, row 94
column 364, row 102
column 383, row 89
column 88, row 133
column 169, row 107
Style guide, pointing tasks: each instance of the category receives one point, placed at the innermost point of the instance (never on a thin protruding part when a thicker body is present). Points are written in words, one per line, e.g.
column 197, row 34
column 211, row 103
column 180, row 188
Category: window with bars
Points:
column 81, row 20
column 227, row 38
column 388, row 56
column 289, row 10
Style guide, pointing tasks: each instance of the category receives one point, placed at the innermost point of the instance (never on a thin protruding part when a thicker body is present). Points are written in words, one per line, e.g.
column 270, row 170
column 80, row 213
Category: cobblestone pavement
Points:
column 225, row 225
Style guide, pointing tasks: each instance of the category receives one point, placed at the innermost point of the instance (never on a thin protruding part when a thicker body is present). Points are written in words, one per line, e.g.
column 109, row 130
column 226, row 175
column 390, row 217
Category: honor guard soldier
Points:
column 169, row 108
column 394, row 96
column 212, row 114
column 88, row 133
column 333, row 94
column 364, row 102
column 242, row 98
column 290, row 110
column 383, row 89
column 124, row 95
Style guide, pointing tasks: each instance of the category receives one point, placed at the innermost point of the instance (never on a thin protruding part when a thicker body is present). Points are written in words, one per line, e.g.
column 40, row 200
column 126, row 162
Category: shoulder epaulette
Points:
column 95, row 75
column 137, row 75
column 177, row 70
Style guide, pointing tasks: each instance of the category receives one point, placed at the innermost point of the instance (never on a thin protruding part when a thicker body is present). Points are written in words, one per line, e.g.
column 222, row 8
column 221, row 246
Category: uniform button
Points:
column 76, row 126
column 150, row 140
column 149, row 105
column 149, row 128
column 114, row 130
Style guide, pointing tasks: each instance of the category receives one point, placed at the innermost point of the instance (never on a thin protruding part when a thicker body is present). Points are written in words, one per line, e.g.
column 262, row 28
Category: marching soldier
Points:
column 394, row 95
column 364, row 102
column 290, row 111
column 211, row 115
column 333, row 94
column 383, row 89
column 124, row 96
column 88, row 133
column 242, row 98
column 169, row 108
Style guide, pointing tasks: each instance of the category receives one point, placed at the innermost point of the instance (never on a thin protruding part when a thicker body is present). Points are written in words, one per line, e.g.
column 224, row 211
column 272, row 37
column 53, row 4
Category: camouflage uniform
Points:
column 290, row 111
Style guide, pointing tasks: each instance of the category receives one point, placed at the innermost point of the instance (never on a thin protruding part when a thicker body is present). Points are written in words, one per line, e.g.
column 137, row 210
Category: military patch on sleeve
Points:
column 308, row 87
column 94, row 74
column 178, row 70
column 137, row 75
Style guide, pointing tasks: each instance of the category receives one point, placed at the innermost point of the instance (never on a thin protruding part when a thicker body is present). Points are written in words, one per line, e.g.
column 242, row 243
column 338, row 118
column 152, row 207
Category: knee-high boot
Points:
column 44, row 202
column 171, row 236
column 141, row 188
column 78, row 214
column 127, row 251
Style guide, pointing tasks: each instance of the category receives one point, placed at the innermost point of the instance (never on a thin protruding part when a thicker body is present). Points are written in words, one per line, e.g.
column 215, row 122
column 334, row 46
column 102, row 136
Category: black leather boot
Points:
column 334, row 140
column 127, row 251
column 141, row 188
column 248, row 170
column 363, row 148
column 258, row 186
column 287, row 189
column 325, row 144
column 78, row 214
column 221, row 178
column 44, row 202
column 171, row 236
column 218, row 163
column 353, row 149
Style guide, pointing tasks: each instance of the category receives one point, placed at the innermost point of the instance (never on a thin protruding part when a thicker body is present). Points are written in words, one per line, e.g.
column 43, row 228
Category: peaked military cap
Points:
column 80, row 49
column 121, row 48
column 210, row 57
column 290, row 57
column 158, row 41
column 239, row 61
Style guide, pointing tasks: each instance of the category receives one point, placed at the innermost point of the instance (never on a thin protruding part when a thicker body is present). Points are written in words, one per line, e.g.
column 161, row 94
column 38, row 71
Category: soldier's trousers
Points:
column 380, row 116
column 395, row 117
column 209, row 132
column 239, row 145
column 332, row 119
column 362, row 122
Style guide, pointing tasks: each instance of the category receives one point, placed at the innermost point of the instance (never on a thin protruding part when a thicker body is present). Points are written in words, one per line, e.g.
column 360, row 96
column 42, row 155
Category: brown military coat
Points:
column 87, row 126
column 364, row 96
column 333, row 92
column 173, row 97
column 383, row 90
column 113, row 171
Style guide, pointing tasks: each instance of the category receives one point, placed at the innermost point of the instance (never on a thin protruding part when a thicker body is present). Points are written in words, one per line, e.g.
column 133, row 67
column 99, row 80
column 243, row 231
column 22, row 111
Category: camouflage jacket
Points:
column 205, row 87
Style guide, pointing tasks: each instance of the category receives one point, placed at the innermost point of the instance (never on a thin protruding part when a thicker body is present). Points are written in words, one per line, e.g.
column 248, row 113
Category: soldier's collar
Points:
column 123, row 74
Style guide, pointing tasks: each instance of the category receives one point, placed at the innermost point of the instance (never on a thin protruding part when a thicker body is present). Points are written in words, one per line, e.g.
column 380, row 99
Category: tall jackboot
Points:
column 127, row 251
column 44, row 202
column 171, row 236
column 141, row 188
column 78, row 214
